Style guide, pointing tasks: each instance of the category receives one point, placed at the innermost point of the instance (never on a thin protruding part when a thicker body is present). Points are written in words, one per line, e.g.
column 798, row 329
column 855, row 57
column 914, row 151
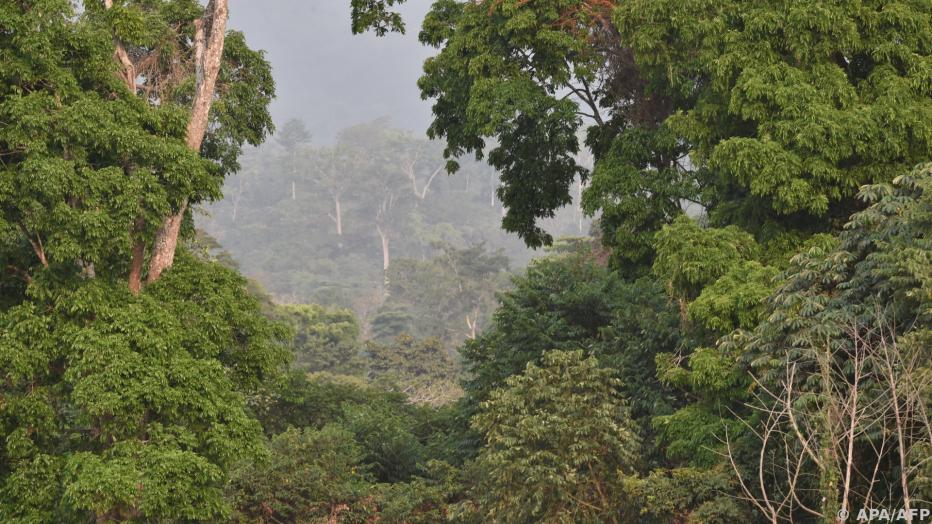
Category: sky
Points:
column 330, row 78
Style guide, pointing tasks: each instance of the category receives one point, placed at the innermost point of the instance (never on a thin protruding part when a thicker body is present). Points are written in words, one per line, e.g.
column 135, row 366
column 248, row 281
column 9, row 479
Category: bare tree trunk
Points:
column 337, row 218
column 208, row 51
column 409, row 171
column 129, row 70
column 165, row 243
column 37, row 246
column 472, row 323
column 386, row 257
column 237, row 197
column 900, row 438
column 338, row 214
column 853, row 421
column 491, row 188
column 828, row 474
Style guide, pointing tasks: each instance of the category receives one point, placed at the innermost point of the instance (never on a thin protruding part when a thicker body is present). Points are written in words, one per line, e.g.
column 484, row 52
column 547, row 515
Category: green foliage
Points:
column 392, row 458
column 386, row 434
column 796, row 105
column 81, row 157
column 736, row 300
column 877, row 273
column 240, row 115
column 310, row 475
column 424, row 500
column 449, row 297
column 635, row 198
column 689, row 257
column 625, row 386
column 312, row 401
column 562, row 302
column 421, row 368
column 495, row 79
column 690, row 435
column 762, row 119
column 377, row 16
column 113, row 406
column 767, row 116
column 557, row 437
column 325, row 339
column 570, row 301
column 104, row 392
column 663, row 496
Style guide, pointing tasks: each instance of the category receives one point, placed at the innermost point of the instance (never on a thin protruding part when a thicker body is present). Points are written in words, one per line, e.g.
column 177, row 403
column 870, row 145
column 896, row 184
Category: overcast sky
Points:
column 329, row 77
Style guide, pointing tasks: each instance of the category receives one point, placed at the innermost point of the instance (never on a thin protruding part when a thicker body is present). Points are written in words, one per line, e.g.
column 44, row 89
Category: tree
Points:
column 450, row 296
column 122, row 407
column 759, row 121
column 293, row 135
column 333, row 172
column 324, row 339
column 421, row 369
column 311, row 473
column 115, row 405
column 385, row 188
column 793, row 107
column 419, row 161
column 526, row 57
column 206, row 49
column 569, row 301
column 758, row 114
column 868, row 414
column 840, row 357
column 557, row 439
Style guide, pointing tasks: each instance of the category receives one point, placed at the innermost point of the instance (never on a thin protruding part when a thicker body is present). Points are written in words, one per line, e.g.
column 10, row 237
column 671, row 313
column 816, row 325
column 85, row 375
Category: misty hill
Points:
column 355, row 223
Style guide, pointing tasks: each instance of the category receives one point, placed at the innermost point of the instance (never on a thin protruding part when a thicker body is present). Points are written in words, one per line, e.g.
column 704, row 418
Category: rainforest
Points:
column 593, row 261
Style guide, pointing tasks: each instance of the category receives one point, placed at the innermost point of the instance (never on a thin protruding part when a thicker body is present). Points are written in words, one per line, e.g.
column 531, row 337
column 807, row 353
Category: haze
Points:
column 330, row 78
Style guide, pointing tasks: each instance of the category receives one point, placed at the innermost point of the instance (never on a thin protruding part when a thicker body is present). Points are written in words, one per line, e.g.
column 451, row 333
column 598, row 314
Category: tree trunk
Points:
column 129, row 69
column 134, row 280
column 579, row 210
column 828, row 474
column 236, row 198
column 208, row 51
column 386, row 258
column 472, row 322
column 338, row 214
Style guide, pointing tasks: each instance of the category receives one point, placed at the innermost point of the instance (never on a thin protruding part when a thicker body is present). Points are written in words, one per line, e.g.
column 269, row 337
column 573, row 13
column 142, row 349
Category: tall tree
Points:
column 768, row 128
column 176, row 54
column 292, row 137
column 380, row 182
column 120, row 406
column 558, row 439
column 209, row 36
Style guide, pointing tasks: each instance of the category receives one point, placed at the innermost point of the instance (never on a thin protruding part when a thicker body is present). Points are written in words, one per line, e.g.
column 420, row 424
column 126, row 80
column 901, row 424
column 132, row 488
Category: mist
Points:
column 330, row 78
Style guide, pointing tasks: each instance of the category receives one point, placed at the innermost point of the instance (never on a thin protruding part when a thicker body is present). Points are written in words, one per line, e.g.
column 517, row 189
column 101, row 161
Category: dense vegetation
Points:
column 373, row 223
column 747, row 339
